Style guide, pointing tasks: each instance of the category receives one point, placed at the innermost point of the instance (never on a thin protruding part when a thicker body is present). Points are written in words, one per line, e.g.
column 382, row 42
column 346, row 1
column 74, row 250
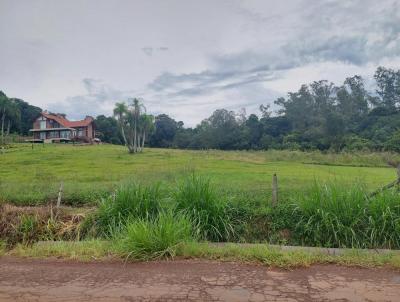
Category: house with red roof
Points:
column 52, row 127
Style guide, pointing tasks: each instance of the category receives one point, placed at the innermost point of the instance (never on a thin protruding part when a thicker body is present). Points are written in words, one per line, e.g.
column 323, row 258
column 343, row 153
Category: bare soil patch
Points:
column 56, row 280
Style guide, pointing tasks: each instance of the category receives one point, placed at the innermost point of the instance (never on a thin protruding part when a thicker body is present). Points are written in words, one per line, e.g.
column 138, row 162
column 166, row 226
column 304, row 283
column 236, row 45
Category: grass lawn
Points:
column 34, row 176
column 29, row 176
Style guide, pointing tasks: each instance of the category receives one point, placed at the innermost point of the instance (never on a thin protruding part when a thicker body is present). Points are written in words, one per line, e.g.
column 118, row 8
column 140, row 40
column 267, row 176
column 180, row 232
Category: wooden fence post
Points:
column 274, row 190
column 60, row 194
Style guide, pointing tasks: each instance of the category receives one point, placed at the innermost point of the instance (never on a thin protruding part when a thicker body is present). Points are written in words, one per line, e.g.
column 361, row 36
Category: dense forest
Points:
column 319, row 115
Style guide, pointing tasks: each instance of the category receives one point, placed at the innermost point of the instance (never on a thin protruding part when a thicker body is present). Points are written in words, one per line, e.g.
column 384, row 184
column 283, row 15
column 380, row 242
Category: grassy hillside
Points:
column 33, row 176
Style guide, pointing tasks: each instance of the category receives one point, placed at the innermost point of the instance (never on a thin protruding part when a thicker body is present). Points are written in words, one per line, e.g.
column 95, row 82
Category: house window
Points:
column 80, row 132
column 53, row 134
column 65, row 134
column 43, row 124
column 42, row 135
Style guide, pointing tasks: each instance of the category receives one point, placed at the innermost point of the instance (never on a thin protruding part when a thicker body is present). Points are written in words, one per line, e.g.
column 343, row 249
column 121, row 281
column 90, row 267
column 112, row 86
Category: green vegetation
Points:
column 135, row 125
column 166, row 203
column 198, row 199
column 16, row 116
column 3, row 246
column 273, row 256
column 87, row 250
column 318, row 116
column 330, row 215
column 146, row 239
column 28, row 228
column 257, row 253
column 90, row 173
column 129, row 201
column 338, row 216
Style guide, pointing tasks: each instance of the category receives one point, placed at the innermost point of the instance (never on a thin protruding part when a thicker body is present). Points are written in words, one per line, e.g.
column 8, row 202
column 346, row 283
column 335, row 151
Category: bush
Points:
column 145, row 238
column 197, row 198
column 130, row 200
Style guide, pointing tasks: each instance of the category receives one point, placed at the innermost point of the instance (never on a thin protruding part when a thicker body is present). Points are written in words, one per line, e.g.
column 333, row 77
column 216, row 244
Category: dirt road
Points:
column 53, row 280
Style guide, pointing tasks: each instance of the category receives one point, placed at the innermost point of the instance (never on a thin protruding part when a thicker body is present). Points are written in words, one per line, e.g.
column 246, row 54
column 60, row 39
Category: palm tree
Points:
column 134, row 123
column 137, row 108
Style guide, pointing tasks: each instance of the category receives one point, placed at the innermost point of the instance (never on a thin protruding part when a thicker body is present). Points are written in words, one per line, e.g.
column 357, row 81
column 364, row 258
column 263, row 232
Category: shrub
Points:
column 145, row 238
column 130, row 200
column 197, row 199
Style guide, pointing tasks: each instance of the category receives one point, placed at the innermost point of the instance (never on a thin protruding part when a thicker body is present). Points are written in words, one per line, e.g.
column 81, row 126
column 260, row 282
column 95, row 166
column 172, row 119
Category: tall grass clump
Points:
column 334, row 215
column 198, row 199
column 383, row 220
column 146, row 239
column 28, row 228
column 130, row 200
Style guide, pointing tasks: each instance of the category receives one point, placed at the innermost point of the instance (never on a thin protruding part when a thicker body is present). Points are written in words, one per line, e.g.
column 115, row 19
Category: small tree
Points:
column 134, row 124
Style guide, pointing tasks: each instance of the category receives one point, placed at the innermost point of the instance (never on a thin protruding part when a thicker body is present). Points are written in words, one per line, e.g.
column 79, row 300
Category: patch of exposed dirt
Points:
column 53, row 280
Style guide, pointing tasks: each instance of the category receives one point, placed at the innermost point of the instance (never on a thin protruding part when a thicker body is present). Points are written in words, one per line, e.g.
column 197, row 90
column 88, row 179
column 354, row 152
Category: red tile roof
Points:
column 66, row 123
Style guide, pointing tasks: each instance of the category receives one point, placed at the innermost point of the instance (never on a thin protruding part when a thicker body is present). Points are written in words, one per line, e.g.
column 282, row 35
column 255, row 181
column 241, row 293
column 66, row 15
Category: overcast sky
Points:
column 187, row 58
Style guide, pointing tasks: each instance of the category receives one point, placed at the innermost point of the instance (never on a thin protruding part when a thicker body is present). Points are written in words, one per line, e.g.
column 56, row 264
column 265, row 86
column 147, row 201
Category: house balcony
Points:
column 51, row 129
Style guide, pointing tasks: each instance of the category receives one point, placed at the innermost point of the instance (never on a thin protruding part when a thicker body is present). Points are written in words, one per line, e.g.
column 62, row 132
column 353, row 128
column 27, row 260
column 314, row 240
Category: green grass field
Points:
column 30, row 176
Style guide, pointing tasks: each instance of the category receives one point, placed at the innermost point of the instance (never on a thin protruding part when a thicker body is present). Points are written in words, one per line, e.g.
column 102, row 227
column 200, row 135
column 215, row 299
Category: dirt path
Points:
column 53, row 280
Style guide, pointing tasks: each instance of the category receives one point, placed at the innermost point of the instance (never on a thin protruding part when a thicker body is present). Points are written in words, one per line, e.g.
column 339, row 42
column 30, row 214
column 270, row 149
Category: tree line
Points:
column 319, row 116
column 16, row 116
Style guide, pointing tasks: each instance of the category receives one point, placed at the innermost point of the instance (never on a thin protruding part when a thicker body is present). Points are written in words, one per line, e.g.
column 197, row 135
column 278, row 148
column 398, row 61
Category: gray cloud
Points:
column 187, row 58
column 327, row 37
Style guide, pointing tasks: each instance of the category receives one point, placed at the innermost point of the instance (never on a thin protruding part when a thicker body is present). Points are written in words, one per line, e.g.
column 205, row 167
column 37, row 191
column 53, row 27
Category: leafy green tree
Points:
column 393, row 144
column 165, row 131
column 352, row 102
column 107, row 130
column 388, row 82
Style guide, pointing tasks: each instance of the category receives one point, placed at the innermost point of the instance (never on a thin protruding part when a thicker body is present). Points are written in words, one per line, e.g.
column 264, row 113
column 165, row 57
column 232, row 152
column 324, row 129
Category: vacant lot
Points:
column 152, row 202
column 34, row 175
